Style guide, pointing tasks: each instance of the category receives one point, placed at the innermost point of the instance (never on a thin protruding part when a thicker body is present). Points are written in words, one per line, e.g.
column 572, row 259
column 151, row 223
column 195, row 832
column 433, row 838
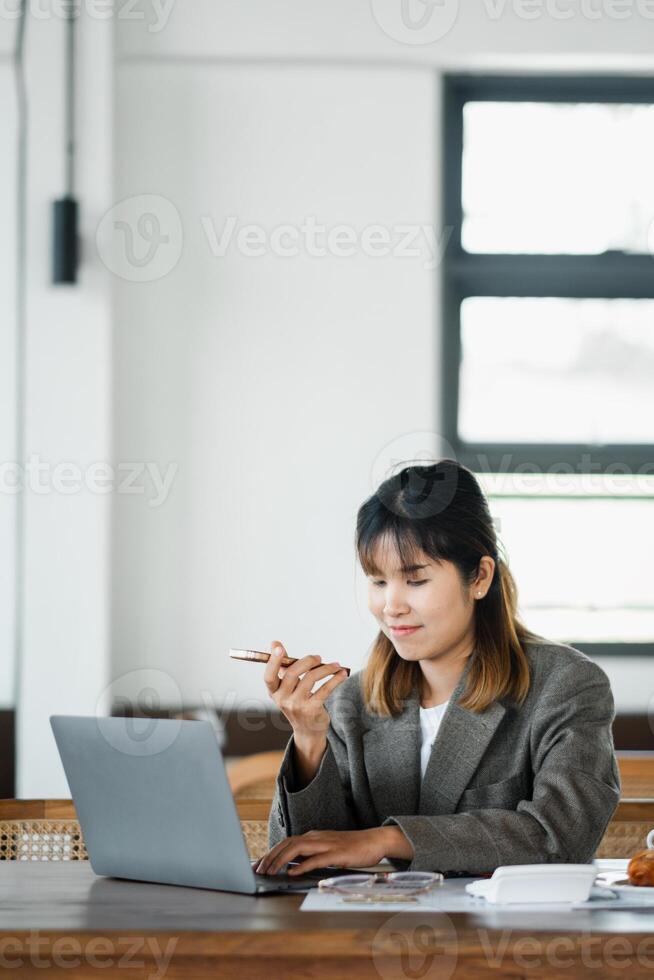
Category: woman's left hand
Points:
column 324, row 848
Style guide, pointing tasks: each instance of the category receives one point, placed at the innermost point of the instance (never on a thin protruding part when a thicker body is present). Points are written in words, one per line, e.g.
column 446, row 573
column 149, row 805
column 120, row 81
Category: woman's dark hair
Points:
column 440, row 510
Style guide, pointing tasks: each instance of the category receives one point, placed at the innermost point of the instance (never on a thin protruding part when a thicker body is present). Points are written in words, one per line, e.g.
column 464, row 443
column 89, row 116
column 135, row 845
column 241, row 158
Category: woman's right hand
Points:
column 292, row 693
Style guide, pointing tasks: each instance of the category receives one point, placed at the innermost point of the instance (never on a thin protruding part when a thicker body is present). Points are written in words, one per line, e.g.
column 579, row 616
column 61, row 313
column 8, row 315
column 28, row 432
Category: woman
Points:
column 467, row 742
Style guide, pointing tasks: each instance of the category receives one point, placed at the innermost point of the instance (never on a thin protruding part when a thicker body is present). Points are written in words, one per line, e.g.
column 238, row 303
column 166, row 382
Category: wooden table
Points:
column 61, row 916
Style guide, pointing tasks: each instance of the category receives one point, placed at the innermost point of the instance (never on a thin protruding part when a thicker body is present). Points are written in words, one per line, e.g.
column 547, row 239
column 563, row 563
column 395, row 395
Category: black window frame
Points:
column 609, row 275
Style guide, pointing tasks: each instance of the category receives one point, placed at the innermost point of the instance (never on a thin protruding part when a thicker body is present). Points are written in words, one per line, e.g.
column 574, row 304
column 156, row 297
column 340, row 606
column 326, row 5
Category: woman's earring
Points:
column 479, row 595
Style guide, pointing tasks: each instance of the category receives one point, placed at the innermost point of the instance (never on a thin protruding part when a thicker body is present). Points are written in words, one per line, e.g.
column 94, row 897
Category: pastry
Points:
column 641, row 868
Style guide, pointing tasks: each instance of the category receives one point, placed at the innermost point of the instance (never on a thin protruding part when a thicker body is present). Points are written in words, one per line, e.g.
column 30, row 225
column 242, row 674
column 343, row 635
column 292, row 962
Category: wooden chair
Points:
column 626, row 833
column 48, row 830
column 634, row 817
column 637, row 774
column 40, row 830
column 254, row 775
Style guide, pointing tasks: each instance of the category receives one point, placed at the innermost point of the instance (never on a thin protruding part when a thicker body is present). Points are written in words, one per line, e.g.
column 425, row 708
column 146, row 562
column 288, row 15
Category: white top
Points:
column 430, row 721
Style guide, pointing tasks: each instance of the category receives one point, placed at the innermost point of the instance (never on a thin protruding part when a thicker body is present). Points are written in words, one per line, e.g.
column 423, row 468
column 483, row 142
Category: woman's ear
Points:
column 484, row 577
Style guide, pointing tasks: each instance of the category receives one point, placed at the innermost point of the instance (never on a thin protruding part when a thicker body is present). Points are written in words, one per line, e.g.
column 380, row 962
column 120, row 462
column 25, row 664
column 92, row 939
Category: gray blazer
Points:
column 513, row 785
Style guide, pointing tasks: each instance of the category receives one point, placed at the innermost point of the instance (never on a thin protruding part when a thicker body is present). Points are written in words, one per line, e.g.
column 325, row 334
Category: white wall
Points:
column 7, row 376
column 65, row 652
column 273, row 382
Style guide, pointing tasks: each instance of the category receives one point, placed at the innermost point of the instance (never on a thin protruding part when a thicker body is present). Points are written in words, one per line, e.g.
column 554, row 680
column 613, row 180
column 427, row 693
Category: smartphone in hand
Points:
column 260, row 657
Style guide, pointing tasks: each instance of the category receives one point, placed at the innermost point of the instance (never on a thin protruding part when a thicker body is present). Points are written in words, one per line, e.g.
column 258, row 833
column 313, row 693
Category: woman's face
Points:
column 431, row 598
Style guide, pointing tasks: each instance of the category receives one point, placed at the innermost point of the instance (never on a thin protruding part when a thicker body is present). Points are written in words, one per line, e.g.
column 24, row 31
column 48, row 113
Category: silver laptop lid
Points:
column 153, row 801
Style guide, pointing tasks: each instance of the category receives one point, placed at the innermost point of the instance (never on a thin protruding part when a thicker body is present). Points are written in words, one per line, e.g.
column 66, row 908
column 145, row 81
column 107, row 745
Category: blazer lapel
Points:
column 391, row 748
column 392, row 759
column 460, row 743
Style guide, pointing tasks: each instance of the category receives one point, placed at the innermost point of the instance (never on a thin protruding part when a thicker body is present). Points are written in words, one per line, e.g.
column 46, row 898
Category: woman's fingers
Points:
column 273, row 862
column 271, row 670
column 328, row 858
column 266, row 861
column 277, row 855
column 301, row 666
column 292, row 674
column 325, row 689
column 316, row 674
column 293, row 693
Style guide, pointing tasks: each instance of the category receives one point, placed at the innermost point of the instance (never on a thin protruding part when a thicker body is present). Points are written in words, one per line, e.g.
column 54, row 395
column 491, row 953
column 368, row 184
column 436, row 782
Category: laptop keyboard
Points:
column 284, row 876
column 315, row 873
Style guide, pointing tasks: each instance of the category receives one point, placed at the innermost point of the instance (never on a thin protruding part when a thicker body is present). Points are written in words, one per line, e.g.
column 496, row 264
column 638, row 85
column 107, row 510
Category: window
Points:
column 548, row 340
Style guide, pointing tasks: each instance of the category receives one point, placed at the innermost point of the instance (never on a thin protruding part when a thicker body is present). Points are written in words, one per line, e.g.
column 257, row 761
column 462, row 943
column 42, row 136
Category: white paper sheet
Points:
column 452, row 897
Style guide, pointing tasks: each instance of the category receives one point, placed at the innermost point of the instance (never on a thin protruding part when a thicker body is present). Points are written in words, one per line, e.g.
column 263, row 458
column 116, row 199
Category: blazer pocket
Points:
column 506, row 794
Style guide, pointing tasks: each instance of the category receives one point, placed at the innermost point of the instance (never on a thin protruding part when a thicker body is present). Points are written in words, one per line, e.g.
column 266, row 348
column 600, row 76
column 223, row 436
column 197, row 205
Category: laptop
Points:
column 154, row 804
